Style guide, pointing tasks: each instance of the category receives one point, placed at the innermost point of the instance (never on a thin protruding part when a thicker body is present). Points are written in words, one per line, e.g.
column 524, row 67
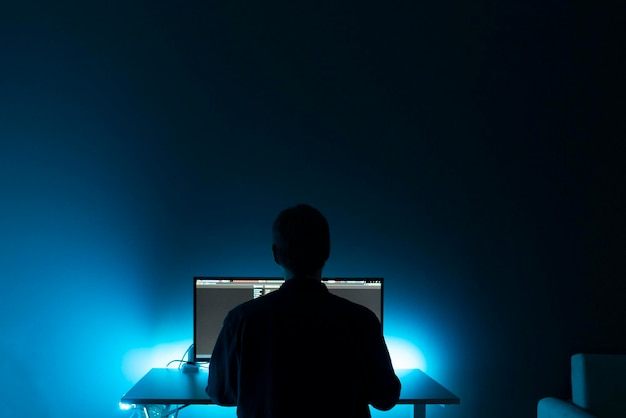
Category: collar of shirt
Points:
column 304, row 284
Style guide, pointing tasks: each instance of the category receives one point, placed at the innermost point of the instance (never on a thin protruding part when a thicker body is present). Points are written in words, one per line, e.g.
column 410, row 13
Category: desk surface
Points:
column 175, row 387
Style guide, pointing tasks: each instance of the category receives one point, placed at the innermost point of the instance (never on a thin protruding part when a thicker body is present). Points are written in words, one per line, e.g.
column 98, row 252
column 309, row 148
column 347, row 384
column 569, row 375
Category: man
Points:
column 300, row 351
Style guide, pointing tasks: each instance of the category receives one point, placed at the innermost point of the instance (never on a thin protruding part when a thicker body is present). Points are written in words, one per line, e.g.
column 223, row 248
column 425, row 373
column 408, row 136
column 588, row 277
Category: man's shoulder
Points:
column 253, row 306
column 346, row 307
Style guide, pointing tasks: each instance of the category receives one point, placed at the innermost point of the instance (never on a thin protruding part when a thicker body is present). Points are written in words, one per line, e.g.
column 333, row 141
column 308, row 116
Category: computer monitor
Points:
column 214, row 297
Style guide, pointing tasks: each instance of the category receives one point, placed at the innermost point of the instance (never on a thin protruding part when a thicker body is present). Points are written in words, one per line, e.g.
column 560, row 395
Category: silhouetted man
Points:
column 300, row 351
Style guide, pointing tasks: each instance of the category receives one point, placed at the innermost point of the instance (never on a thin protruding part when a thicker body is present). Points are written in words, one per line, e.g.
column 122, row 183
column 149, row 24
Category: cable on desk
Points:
column 182, row 359
column 186, row 353
column 180, row 363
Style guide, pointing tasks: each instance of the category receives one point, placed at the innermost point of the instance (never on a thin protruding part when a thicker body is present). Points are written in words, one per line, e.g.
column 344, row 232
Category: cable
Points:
column 174, row 412
column 187, row 353
column 182, row 359
column 175, row 361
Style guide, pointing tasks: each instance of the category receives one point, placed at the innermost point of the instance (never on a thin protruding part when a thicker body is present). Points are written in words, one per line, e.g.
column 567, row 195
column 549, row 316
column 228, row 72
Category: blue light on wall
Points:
column 138, row 361
column 405, row 354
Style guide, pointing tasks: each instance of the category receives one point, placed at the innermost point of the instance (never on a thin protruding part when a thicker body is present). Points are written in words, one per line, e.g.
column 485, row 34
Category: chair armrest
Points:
column 558, row 408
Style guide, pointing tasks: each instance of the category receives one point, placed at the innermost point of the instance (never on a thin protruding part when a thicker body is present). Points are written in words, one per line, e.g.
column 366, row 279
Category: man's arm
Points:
column 383, row 385
column 223, row 372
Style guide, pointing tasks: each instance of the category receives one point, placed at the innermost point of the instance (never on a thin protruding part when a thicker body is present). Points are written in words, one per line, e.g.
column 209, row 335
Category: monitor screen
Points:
column 214, row 297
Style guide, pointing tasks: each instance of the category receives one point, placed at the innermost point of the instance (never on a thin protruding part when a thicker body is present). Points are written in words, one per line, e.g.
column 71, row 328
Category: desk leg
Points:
column 419, row 411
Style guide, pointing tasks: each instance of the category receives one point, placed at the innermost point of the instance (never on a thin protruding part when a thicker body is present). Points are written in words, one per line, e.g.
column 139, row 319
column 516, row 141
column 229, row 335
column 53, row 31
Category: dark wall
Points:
column 468, row 153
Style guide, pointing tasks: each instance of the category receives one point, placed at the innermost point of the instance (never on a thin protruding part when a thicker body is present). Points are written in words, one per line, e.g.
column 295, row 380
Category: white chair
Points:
column 598, row 389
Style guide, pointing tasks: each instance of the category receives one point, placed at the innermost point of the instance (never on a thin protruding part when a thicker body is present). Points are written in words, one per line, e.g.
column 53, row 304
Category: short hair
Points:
column 302, row 239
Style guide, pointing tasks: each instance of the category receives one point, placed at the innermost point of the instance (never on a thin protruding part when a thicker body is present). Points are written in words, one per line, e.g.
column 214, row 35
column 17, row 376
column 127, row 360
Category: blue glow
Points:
column 138, row 361
column 126, row 406
column 404, row 354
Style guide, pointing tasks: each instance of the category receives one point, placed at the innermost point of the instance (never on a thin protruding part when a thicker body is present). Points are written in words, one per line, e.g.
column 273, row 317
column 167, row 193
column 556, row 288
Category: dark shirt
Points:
column 301, row 351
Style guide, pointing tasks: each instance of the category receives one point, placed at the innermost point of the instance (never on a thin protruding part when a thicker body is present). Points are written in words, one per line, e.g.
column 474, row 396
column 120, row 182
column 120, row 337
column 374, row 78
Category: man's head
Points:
column 301, row 240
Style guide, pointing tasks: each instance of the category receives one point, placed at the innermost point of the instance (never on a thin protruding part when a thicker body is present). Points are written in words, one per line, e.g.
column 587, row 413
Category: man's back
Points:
column 301, row 351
